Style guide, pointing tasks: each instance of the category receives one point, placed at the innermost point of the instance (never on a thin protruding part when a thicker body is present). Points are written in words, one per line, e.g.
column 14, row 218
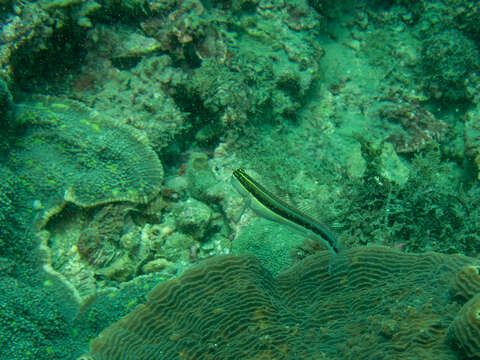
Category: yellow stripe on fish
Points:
column 267, row 205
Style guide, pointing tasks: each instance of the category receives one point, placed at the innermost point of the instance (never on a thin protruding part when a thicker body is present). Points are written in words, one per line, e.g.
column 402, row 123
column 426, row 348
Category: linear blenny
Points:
column 267, row 205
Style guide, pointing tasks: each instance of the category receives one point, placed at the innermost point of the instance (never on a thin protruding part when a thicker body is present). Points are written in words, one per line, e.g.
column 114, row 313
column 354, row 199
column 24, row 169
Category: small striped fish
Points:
column 267, row 205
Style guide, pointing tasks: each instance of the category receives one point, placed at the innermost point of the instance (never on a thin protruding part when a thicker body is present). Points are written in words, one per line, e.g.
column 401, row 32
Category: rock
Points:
column 199, row 176
column 193, row 217
column 121, row 270
column 156, row 265
column 356, row 164
column 392, row 167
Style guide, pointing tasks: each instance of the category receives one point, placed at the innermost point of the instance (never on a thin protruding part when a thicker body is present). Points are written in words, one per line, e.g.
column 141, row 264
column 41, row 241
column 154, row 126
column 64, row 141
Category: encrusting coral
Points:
column 141, row 97
column 71, row 154
column 378, row 303
column 72, row 158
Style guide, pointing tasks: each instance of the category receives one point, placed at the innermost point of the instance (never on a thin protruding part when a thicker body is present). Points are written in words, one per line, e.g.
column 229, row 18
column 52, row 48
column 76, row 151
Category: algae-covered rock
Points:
column 121, row 42
column 199, row 176
column 156, row 265
column 258, row 65
column 141, row 99
column 392, row 167
column 223, row 92
column 28, row 28
column 356, row 164
column 448, row 58
column 121, row 270
column 175, row 247
column 193, row 217
column 419, row 128
column 72, row 154
column 472, row 137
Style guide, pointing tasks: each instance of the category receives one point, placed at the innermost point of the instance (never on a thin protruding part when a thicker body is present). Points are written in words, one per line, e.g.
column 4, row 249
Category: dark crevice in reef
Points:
column 46, row 69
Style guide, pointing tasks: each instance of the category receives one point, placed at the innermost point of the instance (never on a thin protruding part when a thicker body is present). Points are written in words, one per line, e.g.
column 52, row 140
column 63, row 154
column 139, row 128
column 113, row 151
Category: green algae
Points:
column 426, row 213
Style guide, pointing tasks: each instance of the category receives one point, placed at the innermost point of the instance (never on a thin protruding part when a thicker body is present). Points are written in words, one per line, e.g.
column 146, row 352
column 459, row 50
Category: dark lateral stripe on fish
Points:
column 284, row 210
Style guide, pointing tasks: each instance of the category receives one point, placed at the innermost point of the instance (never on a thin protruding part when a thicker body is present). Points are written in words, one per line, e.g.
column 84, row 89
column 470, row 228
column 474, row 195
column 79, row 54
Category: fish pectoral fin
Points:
column 246, row 205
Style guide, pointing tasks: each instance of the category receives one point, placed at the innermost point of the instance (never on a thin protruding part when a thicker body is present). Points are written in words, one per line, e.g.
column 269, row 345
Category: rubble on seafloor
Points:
column 95, row 246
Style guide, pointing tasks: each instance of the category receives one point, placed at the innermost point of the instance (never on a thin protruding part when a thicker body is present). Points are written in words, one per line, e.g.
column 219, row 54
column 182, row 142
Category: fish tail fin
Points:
column 338, row 263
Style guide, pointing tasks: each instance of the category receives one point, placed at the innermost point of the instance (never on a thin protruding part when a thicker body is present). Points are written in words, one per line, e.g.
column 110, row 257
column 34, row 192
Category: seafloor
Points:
column 122, row 122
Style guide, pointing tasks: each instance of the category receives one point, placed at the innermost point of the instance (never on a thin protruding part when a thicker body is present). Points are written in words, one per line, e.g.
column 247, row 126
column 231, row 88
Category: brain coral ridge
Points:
column 465, row 329
column 378, row 304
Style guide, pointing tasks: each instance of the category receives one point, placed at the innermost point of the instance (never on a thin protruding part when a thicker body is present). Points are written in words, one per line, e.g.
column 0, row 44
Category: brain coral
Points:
column 72, row 154
column 467, row 282
column 465, row 329
column 379, row 304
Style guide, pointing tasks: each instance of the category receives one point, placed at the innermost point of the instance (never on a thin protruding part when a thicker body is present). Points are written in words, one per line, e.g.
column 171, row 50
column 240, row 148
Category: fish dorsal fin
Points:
column 307, row 207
